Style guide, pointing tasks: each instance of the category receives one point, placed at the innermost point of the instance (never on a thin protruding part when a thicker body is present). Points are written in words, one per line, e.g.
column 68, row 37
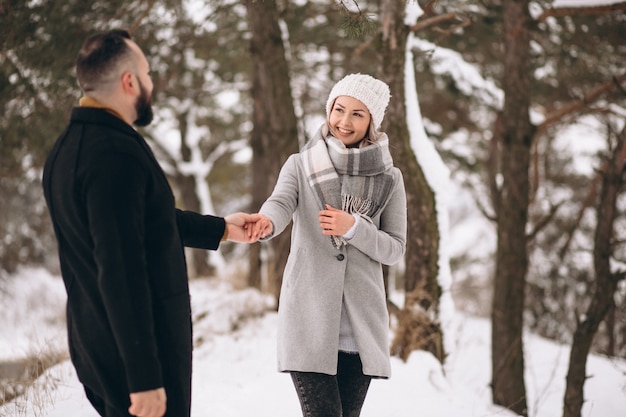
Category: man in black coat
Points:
column 120, row 241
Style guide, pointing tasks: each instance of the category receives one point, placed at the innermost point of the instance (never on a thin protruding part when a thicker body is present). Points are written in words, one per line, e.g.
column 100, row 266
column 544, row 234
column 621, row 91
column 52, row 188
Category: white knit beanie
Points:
column 365, row 88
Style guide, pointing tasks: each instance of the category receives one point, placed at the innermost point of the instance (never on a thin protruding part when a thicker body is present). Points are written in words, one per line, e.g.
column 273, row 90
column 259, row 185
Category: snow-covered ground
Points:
column 235, row 372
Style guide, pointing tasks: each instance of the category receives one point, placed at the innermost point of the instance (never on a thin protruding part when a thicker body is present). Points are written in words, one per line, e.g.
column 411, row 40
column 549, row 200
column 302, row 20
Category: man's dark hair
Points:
column 99, row 55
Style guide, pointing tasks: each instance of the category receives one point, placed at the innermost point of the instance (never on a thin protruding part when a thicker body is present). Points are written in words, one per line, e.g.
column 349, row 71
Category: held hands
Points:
column 241, row 227
column 249, row 228
column 263, row 227
column 334, row 221
column 148, row 403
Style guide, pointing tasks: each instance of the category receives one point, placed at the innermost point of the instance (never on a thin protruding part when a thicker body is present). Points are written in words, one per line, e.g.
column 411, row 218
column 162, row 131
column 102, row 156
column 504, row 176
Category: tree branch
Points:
column 578, row 105
column 544, row 221
column 582, row 11
column 137, row 21
column 435, row 20
column 587, row 202
column 427, row 5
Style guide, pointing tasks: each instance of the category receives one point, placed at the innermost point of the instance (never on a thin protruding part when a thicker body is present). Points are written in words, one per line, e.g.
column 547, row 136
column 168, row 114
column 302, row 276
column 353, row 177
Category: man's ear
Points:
column 129, row 83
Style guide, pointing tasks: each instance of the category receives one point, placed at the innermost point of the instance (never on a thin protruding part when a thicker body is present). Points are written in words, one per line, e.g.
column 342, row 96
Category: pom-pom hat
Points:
column 365, row 88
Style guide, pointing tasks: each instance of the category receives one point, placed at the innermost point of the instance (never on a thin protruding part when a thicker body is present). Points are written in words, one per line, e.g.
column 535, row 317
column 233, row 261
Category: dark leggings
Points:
column 340, row 395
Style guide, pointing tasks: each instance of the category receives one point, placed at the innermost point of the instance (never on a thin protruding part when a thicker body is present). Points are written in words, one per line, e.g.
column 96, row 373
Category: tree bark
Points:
column 274, row 133
column 418, row 327
column 605, row 283
column 508, row 388
column 199, row 260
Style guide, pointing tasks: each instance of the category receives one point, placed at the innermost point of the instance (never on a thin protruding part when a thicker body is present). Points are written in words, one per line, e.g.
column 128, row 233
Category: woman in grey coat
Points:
column 348, row 206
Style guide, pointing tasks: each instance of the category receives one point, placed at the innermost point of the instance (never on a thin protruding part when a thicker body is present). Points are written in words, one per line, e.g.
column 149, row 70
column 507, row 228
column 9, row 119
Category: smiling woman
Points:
column 348, row 206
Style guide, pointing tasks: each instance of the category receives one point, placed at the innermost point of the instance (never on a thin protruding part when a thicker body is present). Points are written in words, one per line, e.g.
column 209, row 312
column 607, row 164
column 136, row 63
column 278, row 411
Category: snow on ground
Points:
column 235, row 368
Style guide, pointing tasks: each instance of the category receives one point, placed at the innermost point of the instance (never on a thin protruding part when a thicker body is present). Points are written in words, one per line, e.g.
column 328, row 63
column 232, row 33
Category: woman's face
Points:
column 349, row 120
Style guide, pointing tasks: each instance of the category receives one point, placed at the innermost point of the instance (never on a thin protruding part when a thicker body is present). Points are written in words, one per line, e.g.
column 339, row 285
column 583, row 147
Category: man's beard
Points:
column 143, row 107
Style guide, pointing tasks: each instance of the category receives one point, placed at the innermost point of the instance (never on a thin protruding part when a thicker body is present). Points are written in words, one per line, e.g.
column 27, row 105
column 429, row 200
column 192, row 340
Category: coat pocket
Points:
column 294, row 268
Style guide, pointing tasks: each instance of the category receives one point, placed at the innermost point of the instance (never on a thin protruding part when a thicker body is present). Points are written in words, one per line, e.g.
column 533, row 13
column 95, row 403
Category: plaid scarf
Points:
column 357, row 180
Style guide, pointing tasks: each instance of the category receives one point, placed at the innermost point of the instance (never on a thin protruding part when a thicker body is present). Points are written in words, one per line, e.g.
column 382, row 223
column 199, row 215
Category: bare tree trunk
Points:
column 199, row 262
column 418, row 321
column 606, row 281
column 508, row 388
column 199, row 265
column 610, row 324
column 274, row 133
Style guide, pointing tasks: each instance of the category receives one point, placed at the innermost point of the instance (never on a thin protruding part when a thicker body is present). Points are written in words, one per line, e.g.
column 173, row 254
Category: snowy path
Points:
column 235, row 376
column 235, row 370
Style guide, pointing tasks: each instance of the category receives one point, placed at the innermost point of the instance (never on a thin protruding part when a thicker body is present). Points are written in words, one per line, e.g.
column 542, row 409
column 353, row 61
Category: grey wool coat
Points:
column 318, row 277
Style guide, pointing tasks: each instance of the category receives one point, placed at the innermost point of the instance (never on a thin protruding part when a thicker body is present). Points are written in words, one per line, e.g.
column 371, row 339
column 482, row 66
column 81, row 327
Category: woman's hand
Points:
column 263, row 227
column 334, row 221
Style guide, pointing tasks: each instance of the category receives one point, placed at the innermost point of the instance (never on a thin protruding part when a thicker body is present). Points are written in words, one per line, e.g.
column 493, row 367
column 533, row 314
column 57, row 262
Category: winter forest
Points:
column 507, row 119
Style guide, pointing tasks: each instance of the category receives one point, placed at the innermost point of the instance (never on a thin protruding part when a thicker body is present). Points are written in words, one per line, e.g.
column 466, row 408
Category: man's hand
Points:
column 241, row 227
column 334, row 221
column 148, row 403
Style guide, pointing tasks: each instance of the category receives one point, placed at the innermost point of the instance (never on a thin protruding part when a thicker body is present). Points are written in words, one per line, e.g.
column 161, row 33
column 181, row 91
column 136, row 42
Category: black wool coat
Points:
column 120, row 241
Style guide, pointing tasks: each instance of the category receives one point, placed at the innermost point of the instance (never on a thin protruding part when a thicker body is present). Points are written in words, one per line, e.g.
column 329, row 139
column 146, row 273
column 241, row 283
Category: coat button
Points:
column 340, row 257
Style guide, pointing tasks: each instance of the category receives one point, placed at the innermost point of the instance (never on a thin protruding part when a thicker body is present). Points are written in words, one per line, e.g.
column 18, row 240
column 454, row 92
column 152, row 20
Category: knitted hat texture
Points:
column 365, row 88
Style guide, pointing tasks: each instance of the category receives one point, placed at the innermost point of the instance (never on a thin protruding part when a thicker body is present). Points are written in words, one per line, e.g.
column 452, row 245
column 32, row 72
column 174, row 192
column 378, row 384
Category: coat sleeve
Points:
column 283, row 201
column 113, row 191
column 200, row 231
column 386, row 244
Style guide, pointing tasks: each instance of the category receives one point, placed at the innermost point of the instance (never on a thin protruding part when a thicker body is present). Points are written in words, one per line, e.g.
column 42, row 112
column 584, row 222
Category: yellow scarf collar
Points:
column 92, row 102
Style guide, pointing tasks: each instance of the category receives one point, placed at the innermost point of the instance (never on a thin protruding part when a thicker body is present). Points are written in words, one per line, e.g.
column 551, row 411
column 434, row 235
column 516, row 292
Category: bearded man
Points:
column 121, row 241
